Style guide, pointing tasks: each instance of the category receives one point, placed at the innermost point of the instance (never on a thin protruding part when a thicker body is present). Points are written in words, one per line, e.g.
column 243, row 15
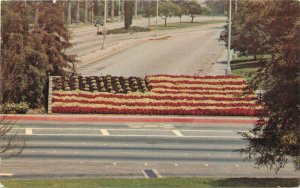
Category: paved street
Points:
column 72, row 149
column 193, row 52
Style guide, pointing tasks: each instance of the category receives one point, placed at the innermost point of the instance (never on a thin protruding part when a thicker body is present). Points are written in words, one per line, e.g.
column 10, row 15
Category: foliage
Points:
column 180, row 10
column 128, row 13
column 277, row 134
column 12, row 108
column 11, row 144
column 149, row 9
column 133, row 29
column 250, row 35
column 193, row 8
column 167, row 9
column 30, row 55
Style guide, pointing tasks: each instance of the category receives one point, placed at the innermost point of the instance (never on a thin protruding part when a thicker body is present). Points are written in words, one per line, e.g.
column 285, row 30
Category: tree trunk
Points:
column 180, row 19
column 36, row 18
column 192, row 19
column 112, row 10
column 128, row 14
column 86, row 11
column 92, row 9
column 255, row 57
column 149, row 21
column 135, row 8
column 165, row 22
column 69, row 12
column 122, row 12
column 77, row 11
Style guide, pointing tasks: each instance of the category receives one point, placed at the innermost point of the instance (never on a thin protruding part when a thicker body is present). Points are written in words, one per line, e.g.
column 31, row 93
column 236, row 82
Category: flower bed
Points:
column 157, row 94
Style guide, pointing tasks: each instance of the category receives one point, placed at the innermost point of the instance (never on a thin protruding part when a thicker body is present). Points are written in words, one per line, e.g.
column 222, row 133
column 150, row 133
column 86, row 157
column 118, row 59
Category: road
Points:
column 77, row 149
column 192, row 51
column 188, row 51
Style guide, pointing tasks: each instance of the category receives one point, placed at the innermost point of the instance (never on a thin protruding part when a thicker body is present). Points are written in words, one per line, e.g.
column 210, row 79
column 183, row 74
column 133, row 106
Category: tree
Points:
column 69, row 19
column 128, row 13
column 149, row 9
column 250, row 36
column 77, row 11
column 28, row 55
column 180, row 11
column 112, row 10
column 11, row 144
column 193, row 8
column 167, row 9
column 23, row 62
column 277, row 133
column 85, row 11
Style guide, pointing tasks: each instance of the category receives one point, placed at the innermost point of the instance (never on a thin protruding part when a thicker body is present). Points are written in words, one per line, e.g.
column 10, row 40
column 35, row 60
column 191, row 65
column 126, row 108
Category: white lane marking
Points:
column 145, row 174
column 6, row 174
column 104, row 132
column 28, row 131
column 178, row 133
column 157, row 173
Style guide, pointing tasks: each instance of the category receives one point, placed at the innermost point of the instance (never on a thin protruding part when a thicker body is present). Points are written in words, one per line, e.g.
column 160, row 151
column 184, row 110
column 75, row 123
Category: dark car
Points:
column 223, row 35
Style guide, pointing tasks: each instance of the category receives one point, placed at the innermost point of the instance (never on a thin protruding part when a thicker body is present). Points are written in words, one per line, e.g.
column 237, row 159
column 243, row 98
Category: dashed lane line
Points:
column 104, row 132
column 178, row 133
column 28, row 131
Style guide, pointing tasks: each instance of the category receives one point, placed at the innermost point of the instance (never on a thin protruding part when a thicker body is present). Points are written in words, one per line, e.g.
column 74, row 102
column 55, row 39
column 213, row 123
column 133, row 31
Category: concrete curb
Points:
column 131, row 119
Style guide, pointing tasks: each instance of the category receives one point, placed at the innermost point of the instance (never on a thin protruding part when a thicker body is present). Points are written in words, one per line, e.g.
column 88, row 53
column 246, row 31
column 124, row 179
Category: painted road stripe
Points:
column 104, row 132
column 6, row 174
column 157, row 173
column 178, row 133
column 28, row 131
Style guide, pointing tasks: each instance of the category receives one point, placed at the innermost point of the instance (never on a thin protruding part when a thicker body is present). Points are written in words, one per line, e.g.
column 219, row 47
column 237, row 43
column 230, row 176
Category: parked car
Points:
column 223, row 35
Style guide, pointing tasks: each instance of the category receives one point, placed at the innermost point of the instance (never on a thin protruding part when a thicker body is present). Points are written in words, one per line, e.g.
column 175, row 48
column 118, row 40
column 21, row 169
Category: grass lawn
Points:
column 149, row 183
column 177, row 25
column 245, row 67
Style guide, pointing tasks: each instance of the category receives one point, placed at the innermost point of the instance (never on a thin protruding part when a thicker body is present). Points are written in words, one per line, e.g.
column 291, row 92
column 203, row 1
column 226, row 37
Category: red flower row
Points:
column 195, row 77
column 198, row 92
column 153, row 86
column 199, row 82
column 230, row 112
column 170, row 104
column 155, row 97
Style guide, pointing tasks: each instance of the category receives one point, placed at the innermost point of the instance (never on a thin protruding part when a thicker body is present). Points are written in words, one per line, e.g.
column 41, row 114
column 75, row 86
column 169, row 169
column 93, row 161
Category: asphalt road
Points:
column 192, row 51
column 126, row 149
column 189, row 51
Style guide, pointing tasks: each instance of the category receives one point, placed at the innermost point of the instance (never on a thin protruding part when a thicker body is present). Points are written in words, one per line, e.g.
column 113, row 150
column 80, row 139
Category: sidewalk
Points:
column 131, row 118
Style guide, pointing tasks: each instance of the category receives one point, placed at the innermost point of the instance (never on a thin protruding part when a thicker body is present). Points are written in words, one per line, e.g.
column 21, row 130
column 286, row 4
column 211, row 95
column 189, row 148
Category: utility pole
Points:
column 69, row 12
column 228, row 69
column 104, row 24
column 156, row 18
column 119, row 11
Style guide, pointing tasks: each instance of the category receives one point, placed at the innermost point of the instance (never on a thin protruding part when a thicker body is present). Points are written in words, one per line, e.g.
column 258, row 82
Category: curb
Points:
column 131, row 119
column 161, row 38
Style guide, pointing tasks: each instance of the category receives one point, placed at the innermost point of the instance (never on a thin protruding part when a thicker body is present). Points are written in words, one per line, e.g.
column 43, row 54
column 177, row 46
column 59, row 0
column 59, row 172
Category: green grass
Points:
column 149, row 183
column 246, row 66
column 184, row 25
